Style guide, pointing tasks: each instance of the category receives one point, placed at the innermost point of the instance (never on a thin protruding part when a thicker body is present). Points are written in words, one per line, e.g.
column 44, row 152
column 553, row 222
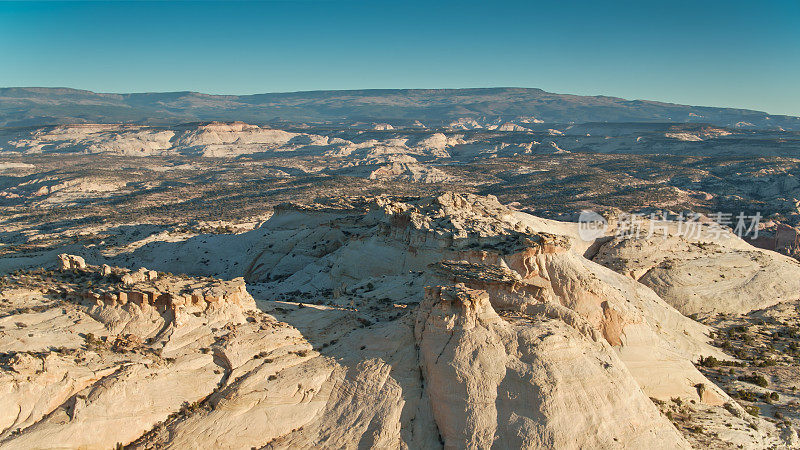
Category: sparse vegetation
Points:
column 756, row 379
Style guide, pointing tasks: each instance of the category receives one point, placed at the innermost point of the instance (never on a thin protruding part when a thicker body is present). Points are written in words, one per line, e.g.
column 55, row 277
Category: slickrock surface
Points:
column 508, row 381
column 446, row 321
column 705, row 274
column 92, row 362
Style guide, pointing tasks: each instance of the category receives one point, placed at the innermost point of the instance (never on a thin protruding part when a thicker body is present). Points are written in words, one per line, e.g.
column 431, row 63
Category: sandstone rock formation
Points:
column 69, row 262
column 507, row 382
column 705, row 274
column 449, row 321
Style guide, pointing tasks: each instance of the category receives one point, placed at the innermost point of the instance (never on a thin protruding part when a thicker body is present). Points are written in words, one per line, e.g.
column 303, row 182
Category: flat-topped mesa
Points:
column 459, row 216
column 227, row 126
column 358, row 235
column 450, row 220
column 172, row 293
column 147, row 288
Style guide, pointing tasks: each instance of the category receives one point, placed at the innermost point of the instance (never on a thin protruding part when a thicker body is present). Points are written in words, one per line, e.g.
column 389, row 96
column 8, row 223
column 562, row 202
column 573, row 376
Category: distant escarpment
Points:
column 45, row 106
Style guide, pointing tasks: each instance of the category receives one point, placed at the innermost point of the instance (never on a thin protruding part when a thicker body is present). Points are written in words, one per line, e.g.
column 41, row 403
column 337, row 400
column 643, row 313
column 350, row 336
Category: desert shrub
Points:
column 756, row 379
column 745, row 395
column 731, row 409
column 709, row 361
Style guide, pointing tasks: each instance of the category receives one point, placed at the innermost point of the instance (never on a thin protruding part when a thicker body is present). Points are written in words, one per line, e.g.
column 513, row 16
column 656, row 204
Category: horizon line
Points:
column 398, row 89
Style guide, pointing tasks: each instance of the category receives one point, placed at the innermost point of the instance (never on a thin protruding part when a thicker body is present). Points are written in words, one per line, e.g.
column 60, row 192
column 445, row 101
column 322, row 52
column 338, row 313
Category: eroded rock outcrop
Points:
column 69, row 262
column 509, row 381
column 477, row 241
column 518, row 341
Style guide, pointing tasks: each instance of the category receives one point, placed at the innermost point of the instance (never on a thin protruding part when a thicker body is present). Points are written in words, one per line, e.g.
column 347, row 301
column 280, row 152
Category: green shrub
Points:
column 758, row 380
column 709, row 361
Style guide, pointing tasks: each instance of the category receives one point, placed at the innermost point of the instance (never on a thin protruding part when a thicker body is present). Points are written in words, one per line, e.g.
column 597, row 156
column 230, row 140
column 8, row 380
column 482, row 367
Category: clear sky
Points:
column 700, row 52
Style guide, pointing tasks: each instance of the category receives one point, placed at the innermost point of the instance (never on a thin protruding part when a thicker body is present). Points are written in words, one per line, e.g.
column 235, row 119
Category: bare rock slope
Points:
column 705, row 274
column 394, row 323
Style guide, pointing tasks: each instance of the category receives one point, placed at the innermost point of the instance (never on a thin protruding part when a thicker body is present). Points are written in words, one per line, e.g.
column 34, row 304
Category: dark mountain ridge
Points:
column 35, row 106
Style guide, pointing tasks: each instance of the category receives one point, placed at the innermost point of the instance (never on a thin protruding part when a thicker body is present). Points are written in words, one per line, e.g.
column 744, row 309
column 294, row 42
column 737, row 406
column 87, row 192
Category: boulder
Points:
column 69, row 262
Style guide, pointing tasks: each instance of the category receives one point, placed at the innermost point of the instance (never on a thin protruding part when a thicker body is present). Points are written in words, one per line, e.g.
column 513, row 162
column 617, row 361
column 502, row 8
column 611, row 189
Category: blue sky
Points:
column 716, row 53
